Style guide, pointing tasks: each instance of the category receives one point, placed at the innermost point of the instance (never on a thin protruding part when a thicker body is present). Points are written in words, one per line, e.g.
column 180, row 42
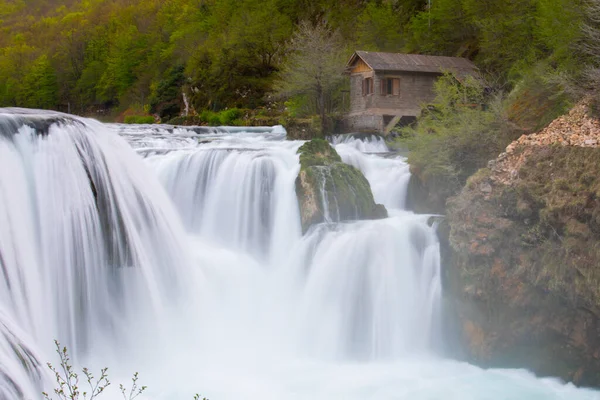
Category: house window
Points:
column 367, row 86
column 390, row 86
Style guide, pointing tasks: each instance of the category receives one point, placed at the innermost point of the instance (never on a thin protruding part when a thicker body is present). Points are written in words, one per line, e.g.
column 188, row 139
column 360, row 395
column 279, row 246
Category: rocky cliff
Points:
column 329, row 190
column 525, row 233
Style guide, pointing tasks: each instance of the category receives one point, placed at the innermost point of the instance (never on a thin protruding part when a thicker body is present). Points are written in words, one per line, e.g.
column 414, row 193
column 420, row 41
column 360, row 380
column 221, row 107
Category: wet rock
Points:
column 329, row 190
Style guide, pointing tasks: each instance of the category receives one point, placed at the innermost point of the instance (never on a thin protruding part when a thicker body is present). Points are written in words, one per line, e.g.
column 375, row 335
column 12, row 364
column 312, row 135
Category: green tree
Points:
column 566, row 17
column 234, row 66
column 314, row 66
column 39, row 87
column 166, row 99
column 380, row 28
column 456, row 135
column 443, row 29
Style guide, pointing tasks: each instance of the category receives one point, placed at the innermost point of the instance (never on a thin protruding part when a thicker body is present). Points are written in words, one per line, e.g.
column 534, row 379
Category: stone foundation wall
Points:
column 365, row 123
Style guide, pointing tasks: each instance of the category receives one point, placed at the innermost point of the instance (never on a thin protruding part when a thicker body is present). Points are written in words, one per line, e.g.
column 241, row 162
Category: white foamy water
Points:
column 184, row 260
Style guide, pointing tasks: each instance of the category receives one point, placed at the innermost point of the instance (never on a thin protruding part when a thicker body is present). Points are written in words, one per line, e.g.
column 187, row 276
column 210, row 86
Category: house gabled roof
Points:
column 412, row 62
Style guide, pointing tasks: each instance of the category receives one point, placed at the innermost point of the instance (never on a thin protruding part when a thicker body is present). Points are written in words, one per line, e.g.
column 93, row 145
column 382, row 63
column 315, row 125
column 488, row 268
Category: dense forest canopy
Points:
column 93, row 56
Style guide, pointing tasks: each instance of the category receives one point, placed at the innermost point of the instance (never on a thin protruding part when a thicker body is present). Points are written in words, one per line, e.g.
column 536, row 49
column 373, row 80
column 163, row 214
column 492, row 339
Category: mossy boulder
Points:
column 329, row 190
column 526, row 262
column 318, row 152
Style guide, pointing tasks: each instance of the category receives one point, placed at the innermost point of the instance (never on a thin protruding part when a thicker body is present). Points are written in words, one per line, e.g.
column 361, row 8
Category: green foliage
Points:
column 314, row 66
column 299, row 106
column 230, row 117
column 211, row 118
column 98, row 55
column 139, row 119
column 564, row 16
column 166, row 99
column 456, row 135
column 243, row 48
column 380, row 28
column 39, row 87
column 505, row 37
column 444, row 29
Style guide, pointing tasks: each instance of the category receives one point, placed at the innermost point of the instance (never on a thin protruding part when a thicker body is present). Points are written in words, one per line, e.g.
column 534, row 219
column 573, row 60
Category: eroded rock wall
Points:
column 525, row 233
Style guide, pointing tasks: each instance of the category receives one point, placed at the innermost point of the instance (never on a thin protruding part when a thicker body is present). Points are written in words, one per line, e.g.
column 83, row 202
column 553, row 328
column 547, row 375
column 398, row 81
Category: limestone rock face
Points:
column 525, row 275
column 329, row 190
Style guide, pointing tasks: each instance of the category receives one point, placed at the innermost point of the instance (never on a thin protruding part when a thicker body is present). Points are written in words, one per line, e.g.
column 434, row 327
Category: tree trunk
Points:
column 322, row 109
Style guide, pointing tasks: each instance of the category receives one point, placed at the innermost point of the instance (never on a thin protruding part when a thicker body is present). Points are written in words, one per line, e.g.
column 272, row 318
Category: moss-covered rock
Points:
column 526, row 270
column 318, row 152
column 329, row 190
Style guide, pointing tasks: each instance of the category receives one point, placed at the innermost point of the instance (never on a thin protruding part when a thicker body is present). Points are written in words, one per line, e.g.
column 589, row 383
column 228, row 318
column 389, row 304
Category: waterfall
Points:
column 363, row 143
column 177, row 252
column 186, row 104
column 85, row 238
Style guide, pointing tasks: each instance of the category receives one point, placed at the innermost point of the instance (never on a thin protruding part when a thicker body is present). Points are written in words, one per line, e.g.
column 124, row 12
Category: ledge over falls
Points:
column 329, row 190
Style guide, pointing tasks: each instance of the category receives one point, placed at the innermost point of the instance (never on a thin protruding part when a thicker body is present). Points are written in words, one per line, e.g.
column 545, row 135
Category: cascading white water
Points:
column 388, row 176
column 231, row 194
column 240, row 306
column 365, row 144
column 86, row 240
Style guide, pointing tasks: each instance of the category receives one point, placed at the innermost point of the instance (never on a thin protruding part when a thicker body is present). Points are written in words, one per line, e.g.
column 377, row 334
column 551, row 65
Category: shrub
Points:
column 214, row 120
column 459, row 133
column 299, row 106
column 228, row 117
column 139, row 119
column 210, row 118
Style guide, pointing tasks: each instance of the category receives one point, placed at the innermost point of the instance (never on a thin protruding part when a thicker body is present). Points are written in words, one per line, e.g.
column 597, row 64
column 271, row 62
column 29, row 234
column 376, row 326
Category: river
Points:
column 178, row 253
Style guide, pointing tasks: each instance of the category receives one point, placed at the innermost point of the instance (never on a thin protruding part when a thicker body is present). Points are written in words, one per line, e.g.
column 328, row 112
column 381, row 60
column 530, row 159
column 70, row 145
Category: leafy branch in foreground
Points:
column 135, row 390
column 68, row 381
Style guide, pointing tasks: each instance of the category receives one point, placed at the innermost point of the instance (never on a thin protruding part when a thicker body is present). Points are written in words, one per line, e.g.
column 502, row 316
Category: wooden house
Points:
column 388, row 87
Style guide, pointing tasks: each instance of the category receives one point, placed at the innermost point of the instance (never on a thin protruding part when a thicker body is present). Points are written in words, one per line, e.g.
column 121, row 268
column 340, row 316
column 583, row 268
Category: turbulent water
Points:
column 178, row 253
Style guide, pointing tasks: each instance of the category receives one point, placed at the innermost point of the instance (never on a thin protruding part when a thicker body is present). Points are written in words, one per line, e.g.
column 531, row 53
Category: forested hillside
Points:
column 101, row 56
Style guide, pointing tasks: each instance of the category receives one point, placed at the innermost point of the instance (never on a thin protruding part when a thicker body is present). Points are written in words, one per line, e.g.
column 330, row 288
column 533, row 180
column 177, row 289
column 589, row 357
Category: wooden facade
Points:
column 384, row 87
column 360, row 66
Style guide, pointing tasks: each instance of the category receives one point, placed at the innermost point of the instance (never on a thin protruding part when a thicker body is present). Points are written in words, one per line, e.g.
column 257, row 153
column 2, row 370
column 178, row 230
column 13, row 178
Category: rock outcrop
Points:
column 329, row 190
column 526, row 266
